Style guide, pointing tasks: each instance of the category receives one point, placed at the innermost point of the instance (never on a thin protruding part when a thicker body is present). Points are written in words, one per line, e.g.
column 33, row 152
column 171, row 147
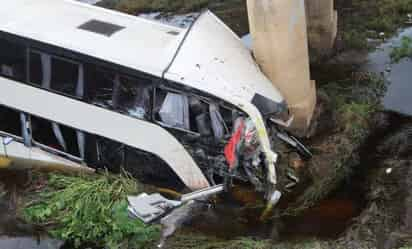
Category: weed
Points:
column 354, row 119
column 90, row 210
column 402, row 51
column 367, row 15
column 355, row 39
column 197, row 241
column 353, row 103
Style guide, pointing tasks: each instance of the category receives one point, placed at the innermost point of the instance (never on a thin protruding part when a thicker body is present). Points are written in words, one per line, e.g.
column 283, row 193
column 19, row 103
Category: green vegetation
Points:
column 402, row 51
column 355, row 39
column 91, row 210
column 232, row 12
column 139, row 6
column 355, row 118
column 355, row 102
column 362, row 19
column 197, row 241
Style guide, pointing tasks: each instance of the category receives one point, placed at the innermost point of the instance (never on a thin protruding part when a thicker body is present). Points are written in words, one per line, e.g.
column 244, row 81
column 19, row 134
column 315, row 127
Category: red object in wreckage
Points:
column 232, row 145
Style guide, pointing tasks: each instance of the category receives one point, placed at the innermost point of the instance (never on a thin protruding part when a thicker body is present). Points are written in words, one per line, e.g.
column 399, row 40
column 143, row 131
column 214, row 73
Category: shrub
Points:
column 402, row 51
column 91, row 210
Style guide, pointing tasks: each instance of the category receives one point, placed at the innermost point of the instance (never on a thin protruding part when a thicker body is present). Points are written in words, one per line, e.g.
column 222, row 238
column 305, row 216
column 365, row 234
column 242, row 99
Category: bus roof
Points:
column 123, row 39
column 208, row 56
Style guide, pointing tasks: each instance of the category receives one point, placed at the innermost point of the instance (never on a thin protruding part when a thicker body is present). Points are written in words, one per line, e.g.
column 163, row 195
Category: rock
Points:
column 172, row 222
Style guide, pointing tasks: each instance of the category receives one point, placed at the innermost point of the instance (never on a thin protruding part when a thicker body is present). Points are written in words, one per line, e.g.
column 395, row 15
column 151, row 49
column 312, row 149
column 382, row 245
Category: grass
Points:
column 353, row 104
column 197, row 241
column 402, row 51
column 89, row 210
column 362, row 19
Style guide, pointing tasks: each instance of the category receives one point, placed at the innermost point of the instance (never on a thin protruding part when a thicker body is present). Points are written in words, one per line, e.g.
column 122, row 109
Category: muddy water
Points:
column 398, row 97
column 331, row 217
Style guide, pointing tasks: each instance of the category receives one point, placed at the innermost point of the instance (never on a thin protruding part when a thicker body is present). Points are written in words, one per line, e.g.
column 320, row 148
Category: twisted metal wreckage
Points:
column 100, row 89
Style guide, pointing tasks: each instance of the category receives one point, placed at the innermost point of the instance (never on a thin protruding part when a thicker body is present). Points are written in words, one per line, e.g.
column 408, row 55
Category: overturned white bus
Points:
column 86, row 87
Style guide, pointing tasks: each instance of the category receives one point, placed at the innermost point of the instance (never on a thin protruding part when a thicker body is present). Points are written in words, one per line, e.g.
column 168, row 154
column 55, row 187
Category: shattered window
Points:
column 111, row 154
column 172, row 109
column 13, row 60
column 128, row 95
column 191, row 113
column 99, row 85
column 10, row 121
column 133, row 97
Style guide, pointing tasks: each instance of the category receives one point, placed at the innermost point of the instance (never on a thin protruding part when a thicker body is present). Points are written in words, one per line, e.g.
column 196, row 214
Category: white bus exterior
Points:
column 206, row 60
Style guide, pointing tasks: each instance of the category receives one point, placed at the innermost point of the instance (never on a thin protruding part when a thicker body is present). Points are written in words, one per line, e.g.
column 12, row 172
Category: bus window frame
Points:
column 52, row 56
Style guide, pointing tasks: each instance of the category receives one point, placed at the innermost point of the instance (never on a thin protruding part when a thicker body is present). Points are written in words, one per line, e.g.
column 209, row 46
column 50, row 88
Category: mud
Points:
column 371, row 206
column 14, row 232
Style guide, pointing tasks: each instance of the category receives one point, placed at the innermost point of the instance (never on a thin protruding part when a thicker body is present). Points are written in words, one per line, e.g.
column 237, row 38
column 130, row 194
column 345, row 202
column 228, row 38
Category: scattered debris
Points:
column 409, row 21
column 150, row 207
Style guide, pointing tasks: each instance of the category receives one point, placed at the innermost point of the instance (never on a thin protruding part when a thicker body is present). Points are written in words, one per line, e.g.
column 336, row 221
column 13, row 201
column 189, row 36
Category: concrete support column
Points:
column 278, row 29
column 322, row 20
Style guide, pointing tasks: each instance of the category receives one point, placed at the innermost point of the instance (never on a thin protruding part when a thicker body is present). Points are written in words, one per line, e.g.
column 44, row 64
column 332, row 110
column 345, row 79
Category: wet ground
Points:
column 333, row 216
column 399, row 75
column 14, row 233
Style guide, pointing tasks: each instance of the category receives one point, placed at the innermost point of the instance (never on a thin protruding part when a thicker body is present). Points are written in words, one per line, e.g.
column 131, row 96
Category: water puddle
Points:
column 398, row 96
column 231, row 219
column 28, row 243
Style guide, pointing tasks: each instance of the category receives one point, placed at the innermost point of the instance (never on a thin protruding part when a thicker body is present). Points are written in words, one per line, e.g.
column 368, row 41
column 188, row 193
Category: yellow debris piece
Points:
column 4, row 162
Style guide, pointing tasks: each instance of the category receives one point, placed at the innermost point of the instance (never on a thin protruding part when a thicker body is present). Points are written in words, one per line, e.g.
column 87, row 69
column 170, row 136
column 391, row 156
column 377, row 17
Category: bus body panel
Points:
column 15, row 155
column 96, row 120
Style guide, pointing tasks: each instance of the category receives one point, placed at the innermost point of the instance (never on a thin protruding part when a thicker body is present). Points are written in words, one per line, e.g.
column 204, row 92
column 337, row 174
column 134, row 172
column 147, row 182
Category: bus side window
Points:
column 66, row 77
column 12, row 60
column 99, row 86
column 56, row 136
column 36, row 69
column 133, row 97
column 55, row 73
column 10, row 121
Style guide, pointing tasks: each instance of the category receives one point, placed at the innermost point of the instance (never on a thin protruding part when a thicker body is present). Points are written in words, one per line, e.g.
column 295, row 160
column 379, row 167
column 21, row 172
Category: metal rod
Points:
column 203, row 193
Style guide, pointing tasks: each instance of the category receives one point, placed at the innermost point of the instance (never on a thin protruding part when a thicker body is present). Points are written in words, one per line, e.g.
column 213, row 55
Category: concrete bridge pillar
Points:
column 322, row 21
column 278, row 29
